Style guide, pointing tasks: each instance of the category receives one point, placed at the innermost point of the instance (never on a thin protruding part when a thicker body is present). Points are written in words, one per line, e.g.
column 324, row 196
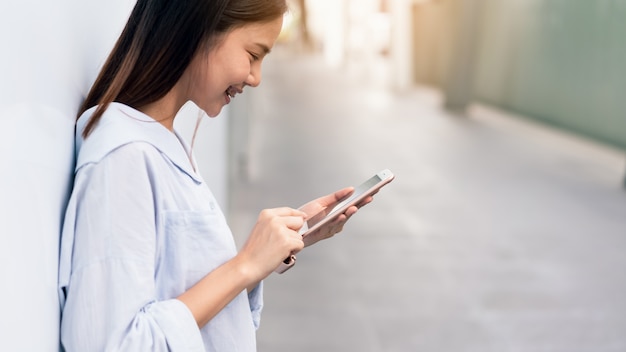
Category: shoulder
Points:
column 132, row 155
column 114, row 130
column 129, row 165
column 127, row 136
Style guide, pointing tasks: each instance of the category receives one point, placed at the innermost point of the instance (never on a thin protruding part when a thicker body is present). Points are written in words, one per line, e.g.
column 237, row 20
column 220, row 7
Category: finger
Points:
column 297, row 243
column 342, row 194
column 341, row 220
column 337, row 225
column 365, row 201
column 294, row 222
column 375, row 192
column 350, row 211
column 334, row 198
column 298, row 248
column 284, row 211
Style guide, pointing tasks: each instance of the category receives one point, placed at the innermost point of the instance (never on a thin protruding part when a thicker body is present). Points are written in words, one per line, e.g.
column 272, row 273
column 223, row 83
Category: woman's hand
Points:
column 325, row 204
column 274, row 237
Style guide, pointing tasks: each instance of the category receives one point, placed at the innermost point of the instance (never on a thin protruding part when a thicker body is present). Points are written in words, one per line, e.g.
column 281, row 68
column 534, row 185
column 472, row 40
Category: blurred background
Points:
column 503, row 121
column 505, row 124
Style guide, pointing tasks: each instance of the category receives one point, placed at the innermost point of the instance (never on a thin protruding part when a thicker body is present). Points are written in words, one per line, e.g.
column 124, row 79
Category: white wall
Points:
column 51, row 52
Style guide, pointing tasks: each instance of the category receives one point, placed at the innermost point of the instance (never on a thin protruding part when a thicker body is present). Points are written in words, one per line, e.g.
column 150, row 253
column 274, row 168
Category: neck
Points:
column 165, row 109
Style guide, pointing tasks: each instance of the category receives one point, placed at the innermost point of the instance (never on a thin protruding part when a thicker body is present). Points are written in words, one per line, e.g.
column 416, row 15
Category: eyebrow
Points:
column 264, row 47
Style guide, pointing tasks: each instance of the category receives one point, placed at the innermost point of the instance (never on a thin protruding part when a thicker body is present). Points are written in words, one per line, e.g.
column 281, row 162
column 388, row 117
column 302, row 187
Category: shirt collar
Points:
column 120, row 124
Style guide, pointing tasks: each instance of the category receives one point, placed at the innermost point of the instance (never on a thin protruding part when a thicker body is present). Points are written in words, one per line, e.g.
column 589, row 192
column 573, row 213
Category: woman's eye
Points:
column 254, row 57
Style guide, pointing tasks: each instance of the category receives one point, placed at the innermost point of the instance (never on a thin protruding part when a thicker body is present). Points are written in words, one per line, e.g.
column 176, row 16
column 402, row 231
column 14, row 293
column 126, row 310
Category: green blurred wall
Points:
column 559, row 61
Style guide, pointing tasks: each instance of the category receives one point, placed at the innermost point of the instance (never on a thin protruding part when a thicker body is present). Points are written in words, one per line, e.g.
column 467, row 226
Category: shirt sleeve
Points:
column 107, row 264
column 256, row 304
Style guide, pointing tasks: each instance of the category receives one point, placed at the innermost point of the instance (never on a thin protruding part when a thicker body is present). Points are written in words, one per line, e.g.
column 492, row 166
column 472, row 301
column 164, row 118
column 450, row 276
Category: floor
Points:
column 496, row 235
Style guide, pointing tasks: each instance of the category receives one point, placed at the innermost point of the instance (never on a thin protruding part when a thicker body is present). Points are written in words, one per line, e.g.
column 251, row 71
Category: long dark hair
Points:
column 159, row 41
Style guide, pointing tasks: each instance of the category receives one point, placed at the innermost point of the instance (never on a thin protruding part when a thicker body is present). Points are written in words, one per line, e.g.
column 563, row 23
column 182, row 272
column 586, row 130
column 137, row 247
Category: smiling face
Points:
column 231, row 64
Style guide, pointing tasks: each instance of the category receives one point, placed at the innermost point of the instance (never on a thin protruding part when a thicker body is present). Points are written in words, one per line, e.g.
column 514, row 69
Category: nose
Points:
column 254, row 77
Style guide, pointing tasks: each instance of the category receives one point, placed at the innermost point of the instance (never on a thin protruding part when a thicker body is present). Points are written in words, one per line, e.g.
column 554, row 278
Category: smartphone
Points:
column 367, row 188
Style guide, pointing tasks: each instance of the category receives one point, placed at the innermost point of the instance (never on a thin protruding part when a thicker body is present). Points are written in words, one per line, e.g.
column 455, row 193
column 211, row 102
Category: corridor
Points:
column 496, row 235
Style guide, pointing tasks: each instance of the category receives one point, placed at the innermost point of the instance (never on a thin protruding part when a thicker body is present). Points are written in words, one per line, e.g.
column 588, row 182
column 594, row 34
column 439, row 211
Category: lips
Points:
column 232, row 91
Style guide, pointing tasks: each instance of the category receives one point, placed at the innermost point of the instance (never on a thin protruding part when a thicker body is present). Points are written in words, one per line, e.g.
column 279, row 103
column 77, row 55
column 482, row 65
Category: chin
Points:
column 213, row 112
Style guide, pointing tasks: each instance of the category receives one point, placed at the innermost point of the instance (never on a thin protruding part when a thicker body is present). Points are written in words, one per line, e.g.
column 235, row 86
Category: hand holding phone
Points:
column 364, row 190
column 313, row 229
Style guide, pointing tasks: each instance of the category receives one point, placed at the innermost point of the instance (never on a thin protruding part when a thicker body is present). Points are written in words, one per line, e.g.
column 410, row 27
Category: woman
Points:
column 147, row 259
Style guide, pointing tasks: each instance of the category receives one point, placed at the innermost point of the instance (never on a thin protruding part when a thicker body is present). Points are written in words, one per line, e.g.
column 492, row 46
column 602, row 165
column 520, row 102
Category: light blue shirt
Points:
column 141, row 228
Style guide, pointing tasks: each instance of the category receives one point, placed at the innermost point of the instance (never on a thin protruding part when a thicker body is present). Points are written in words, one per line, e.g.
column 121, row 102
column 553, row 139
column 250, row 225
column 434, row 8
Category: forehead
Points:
column 260, row 33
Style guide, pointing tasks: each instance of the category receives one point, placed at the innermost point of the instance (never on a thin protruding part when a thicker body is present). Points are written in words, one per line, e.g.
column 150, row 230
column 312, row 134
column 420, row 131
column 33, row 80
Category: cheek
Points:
column 219, row 74
column 237, row 71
